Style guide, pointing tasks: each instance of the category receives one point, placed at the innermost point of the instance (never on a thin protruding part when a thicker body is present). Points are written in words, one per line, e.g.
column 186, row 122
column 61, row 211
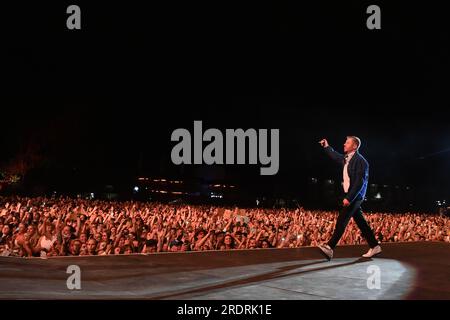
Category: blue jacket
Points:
column 358, row 171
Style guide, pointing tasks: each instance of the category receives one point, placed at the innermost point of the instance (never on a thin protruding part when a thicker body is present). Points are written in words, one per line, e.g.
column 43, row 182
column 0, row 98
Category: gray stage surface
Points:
column 414, row 270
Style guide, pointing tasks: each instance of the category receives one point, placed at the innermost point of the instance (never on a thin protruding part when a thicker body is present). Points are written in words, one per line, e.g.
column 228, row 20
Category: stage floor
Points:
column 414, row 270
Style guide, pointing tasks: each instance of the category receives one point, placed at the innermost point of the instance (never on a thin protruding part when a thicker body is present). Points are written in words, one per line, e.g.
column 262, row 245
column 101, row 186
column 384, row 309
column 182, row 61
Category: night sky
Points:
column 101, row 103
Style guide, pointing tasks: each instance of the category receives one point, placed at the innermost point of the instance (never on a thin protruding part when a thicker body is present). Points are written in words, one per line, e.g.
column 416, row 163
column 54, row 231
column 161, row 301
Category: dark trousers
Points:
column 353, row 210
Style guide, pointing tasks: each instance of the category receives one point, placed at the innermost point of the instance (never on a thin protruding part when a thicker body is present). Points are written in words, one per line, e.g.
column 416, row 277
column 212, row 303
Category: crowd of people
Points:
column 45, row 227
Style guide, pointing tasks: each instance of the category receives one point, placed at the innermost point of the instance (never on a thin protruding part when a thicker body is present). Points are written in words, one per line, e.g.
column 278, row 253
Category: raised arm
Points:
column 335, row 156
column 201, row 242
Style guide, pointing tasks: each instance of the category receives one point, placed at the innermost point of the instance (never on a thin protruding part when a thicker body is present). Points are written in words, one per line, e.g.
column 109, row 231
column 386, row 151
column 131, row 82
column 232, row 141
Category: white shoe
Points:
column 326, row 250
column 372, row 252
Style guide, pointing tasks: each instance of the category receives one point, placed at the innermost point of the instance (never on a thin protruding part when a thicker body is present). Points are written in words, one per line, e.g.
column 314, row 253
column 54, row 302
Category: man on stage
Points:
column 355, row 179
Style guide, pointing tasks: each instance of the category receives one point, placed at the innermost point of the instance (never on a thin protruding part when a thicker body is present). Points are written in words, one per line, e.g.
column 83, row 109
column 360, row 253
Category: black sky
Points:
column 103, row 101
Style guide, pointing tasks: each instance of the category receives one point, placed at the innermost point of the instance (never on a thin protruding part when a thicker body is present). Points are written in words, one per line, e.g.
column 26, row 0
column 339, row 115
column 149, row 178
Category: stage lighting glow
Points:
column 136, row 189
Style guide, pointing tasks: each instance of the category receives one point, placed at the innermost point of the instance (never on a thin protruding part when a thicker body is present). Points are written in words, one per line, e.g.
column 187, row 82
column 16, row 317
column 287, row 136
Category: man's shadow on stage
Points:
column 280, row 273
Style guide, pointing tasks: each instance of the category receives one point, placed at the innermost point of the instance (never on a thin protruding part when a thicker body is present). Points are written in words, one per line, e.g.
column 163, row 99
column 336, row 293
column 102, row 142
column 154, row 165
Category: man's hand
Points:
column 324, row 143
column 345, row 203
